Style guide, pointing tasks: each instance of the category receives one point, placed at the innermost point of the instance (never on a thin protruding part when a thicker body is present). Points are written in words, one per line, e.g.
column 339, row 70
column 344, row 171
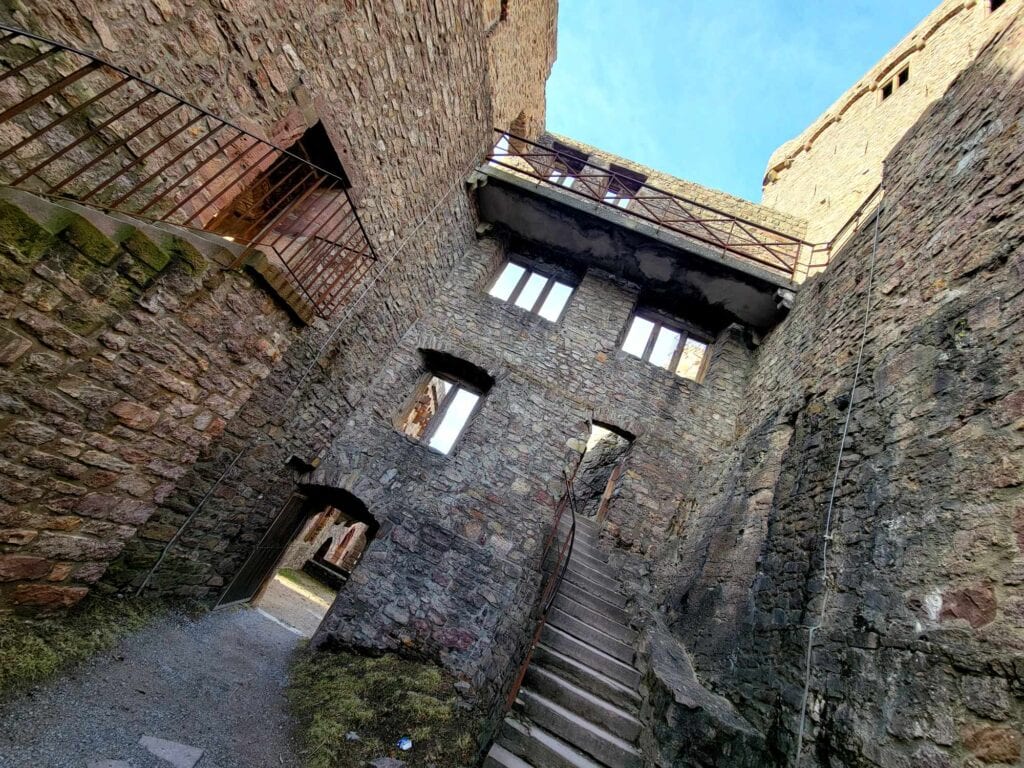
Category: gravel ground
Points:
column 216, row 683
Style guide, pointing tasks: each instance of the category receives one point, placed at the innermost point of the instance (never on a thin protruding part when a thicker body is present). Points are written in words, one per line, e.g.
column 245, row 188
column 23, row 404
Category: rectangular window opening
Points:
column 903, row 76
column 532, row 291
column 995, row 5
column 666, row 347
column 440, row 413
column 886, row 90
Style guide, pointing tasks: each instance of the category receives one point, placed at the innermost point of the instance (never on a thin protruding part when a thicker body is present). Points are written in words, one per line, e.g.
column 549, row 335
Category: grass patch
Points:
column 308, row 583
column 32, row 651
column 381, row 699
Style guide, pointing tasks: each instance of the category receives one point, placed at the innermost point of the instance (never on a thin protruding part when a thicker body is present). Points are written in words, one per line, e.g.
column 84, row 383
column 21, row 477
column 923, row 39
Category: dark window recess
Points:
column 886, row 91
column 666, row 346
column 566, row 165
column 532, row 291
column 995, row 5
column 445, row 401
column 623, row 185
column 903, row 76
column 504, row 10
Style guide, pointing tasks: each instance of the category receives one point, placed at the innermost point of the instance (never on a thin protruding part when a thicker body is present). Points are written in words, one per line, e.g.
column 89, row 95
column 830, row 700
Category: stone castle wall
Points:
column 918, row 661
column 454, row 570
column 410, row 109
column 826, row 172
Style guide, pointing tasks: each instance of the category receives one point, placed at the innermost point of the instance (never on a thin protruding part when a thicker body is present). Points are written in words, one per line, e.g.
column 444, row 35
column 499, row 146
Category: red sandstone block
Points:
column 17, row 567
column 135, row 415
column 48, row 595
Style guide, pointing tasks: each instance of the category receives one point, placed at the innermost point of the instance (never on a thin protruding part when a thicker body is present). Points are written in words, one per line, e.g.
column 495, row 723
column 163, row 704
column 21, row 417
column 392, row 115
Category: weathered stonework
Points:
column 919, row 656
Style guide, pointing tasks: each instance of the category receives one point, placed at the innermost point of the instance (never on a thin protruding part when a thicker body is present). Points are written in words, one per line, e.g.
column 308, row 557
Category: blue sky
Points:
column 707, row 89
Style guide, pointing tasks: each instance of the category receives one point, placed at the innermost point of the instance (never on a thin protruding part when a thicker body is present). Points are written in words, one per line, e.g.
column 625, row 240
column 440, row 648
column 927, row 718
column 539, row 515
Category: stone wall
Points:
column 125, row 354
column 827, row 171
column 454, row 570
column 919, row 658
column 409, row 107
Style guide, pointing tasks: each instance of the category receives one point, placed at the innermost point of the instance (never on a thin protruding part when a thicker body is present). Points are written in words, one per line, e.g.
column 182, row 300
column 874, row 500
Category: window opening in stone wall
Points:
column 903, row 76
column 623, row 186
column 445, row 401
column 886, row 91
column 440, row 413
column 995, row 5
column 306, row 556
column 901, row 79
column 666, row 346
column 532, row 291
column 566, row 164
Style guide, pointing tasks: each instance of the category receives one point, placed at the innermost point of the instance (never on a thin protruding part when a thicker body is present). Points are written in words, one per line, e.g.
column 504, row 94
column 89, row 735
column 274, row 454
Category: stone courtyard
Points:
column 324, row 335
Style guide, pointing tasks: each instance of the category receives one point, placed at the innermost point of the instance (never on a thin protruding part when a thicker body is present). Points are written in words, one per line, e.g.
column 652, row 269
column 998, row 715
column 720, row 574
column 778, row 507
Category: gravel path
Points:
column 216, row 684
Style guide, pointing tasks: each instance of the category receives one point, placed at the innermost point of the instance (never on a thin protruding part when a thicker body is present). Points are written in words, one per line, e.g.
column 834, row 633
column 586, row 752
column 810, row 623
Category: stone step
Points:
column 589, row 738
column 590, row 635
column 529, row 741
column 581, row 702
column 614, row 622
column 589, row 656
column 499, row 757
column 598, row 576
column 612, row 596
column 587, row 678
column 589, row 556
column 591, row 595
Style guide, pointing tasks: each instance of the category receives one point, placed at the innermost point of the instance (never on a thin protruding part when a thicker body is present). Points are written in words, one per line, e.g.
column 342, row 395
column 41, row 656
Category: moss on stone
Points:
column 380, row 700
column 32, row 651
column 146, row 251
column 23, row 239
column 90, row 241
column 12, row 276
column 185, row 254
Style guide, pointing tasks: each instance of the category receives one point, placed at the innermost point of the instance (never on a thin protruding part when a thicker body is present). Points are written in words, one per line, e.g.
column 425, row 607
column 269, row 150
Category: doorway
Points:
column 304, row 558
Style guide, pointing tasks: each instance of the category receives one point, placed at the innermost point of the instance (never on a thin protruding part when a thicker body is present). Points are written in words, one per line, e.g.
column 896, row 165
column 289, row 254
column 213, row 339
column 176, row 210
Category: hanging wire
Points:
column 827, row 535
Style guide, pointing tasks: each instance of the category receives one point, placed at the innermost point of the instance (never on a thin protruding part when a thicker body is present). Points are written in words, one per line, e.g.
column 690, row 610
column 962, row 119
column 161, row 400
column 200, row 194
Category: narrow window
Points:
column 532, row 291
column 623, row 186
column 903, row 76
column 994, row 5
column 666, row 347
column 440, row 413
column 887, row 90
column 567, row 163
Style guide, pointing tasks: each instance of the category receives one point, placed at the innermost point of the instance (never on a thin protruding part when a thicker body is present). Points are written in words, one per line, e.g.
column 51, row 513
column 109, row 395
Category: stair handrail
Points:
column 550, row 589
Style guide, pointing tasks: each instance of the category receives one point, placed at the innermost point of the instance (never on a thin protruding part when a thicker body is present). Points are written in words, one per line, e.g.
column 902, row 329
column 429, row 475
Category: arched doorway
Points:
column 305, row 557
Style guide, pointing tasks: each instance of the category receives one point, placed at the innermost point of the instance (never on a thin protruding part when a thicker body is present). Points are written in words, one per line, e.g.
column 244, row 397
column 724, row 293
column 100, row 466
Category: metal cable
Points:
column 305, row 374
column 827, row 536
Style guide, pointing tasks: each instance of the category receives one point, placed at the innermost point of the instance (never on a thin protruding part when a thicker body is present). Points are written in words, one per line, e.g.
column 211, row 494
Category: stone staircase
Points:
column 578, row 704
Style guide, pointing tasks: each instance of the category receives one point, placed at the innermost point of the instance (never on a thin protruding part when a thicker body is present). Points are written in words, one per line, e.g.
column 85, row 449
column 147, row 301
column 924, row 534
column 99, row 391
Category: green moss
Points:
column 33, row 650
column 146, row 251
column 381, row 700
column 186, row 255
column 90, row 241
column 12, row 276
column 21, row 236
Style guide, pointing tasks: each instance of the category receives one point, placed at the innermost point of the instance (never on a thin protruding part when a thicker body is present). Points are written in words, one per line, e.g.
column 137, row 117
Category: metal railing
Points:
column 822, row 253
column 553, row 577
column 78, row 127
column 718, row 229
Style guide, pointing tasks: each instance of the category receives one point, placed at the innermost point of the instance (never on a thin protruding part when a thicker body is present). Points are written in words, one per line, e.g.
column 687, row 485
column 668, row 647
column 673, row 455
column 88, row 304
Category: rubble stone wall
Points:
column 410, row 108
column 453, row 571
column 919, row 658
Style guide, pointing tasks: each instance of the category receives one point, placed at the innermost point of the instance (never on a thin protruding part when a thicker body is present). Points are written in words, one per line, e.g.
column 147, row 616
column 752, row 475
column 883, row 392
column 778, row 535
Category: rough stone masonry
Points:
column 151, row 399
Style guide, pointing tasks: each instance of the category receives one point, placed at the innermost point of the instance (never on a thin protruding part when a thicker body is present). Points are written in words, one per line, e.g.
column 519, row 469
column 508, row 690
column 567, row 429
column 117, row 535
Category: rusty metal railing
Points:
column 75, row 126
column 822, row 253
column 553, row 577
column 723, row 231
